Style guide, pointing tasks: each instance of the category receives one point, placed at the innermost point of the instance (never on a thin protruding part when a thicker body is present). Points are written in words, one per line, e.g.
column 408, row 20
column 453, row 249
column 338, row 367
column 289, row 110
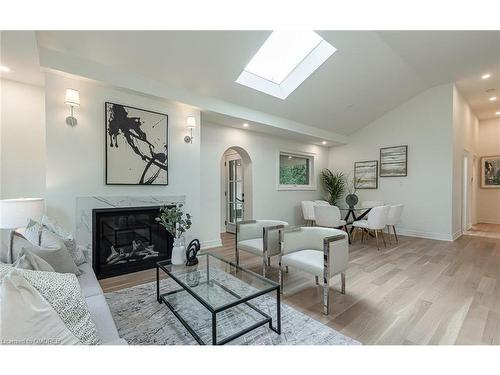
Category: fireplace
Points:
column 127, row 240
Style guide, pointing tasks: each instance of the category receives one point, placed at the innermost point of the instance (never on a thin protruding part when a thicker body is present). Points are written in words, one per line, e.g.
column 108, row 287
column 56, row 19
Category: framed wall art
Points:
column 394, row 161
column 136, row 146
column 366, row 174
column 490, row 172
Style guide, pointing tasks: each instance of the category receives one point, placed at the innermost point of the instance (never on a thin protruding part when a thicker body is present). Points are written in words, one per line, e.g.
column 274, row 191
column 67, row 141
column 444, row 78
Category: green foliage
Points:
column 294, row 175
column 174, row 220
column 335, row 184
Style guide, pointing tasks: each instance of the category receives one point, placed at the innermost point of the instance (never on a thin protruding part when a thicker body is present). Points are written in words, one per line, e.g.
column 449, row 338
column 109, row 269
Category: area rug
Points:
column 141, row 320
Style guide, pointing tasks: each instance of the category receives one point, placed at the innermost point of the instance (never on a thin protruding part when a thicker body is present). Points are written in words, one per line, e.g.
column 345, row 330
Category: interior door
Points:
column 235, row 196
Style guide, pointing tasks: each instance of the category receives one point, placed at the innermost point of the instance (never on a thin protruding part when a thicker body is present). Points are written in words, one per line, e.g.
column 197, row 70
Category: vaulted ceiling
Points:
column 370, row 74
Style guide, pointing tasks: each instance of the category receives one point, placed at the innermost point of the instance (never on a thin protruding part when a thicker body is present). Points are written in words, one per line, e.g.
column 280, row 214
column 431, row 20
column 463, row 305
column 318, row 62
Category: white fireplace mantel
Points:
column 85, row 205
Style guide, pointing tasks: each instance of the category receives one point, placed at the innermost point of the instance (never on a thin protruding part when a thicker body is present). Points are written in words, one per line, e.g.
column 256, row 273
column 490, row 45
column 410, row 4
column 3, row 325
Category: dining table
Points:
column 356, row 214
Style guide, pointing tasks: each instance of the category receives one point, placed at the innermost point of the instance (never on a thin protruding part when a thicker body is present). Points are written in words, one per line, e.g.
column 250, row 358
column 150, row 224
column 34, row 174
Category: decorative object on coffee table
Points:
column 136, row 146
column 366, row 174
column 176, row 222
column 394, row 161
column 191, row 252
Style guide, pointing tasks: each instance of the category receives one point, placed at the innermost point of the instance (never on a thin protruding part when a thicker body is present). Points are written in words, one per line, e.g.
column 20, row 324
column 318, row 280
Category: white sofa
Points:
column 94, row 298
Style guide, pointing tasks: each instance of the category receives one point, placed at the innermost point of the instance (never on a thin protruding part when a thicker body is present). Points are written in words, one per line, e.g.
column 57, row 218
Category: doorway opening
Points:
column 236, row 188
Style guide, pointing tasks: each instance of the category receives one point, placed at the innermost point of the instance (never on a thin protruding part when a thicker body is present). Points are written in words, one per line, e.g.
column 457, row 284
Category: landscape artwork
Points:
column 366, row 174
column 136, row 146
column 490, row 172
column 394, row 161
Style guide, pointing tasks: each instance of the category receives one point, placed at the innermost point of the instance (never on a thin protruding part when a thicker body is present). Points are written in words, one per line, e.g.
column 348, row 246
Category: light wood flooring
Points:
column 485, row 230
column 417, row 292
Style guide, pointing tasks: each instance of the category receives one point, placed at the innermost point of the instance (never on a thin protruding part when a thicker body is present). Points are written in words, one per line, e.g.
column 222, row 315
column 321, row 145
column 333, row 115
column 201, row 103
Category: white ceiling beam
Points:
column 52, row 60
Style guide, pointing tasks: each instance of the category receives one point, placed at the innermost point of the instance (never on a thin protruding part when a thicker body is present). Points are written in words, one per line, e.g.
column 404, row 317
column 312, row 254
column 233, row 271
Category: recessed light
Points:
column 323, row 143
column 4, row 69
column 486, row 76
column 245, row 125
column 289, row 156
column 497, row 113
column 493, row 98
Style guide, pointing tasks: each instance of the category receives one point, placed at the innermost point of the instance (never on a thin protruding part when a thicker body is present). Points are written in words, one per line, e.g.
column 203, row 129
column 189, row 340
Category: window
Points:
column 295, row 171
column 284, row 61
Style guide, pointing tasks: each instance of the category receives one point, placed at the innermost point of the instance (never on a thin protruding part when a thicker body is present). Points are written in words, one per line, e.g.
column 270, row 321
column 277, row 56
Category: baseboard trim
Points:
column 428, row 235
column 487, row 221
column 211, row 244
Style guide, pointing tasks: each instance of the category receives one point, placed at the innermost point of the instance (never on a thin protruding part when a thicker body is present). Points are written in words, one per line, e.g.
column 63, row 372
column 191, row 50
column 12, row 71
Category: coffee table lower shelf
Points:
column 241, row 306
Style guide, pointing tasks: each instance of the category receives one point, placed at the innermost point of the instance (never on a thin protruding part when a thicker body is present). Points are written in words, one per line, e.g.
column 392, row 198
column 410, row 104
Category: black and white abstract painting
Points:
column 394, row 161
column 136, row 146
column 366, row 174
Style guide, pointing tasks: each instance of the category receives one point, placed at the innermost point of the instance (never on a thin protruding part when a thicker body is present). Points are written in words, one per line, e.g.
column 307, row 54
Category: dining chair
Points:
column 308, row 212
column 321, row 252
column 260, row 238
column 393, row 218
column 329, row 217
column 321, row 203
column 371, row 204
column 376, row 222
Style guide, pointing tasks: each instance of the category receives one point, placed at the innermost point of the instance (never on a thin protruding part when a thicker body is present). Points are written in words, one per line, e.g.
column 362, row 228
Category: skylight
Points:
column 284, row 61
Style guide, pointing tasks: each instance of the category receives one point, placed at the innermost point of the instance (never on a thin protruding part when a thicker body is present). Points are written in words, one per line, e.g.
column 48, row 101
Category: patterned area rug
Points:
column 141, row 320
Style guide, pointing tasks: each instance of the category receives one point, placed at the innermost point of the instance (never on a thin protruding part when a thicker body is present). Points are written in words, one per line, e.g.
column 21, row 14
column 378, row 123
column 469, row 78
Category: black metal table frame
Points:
column 350, row 211
column 161, row 298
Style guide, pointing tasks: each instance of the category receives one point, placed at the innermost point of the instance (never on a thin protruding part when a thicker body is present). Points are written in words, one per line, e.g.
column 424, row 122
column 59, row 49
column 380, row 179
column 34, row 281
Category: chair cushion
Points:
column 310, row 261
column 361, row 224
column 254, row 246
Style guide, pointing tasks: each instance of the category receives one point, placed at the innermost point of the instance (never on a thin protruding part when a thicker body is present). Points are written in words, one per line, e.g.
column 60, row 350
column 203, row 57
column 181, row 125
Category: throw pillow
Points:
column 32, row 232
column 18, row 243
column 43, row 307
column 67, row 237
column 30, row 261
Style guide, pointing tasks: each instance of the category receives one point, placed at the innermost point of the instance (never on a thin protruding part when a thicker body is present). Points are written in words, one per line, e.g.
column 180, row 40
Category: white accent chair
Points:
column 371, row 204
column 376, row 222
column 308, row 212
column 329, row 217
column 393, row 219
column 260, row 238
column 322, row 252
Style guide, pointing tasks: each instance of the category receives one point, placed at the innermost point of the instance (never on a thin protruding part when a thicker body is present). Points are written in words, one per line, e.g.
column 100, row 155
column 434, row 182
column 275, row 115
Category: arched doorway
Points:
column 236, row 188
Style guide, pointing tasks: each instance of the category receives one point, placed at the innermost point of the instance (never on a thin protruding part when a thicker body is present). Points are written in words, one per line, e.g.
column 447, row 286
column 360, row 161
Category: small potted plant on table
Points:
column 176, row 222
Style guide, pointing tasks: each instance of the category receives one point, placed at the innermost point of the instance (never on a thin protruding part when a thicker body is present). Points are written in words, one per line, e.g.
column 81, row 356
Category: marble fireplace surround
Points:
column 85, row 205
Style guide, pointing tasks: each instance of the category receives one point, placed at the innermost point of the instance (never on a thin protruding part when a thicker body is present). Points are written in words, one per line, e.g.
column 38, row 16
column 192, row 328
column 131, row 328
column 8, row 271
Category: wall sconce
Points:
column 73, row 100
column 190, row 124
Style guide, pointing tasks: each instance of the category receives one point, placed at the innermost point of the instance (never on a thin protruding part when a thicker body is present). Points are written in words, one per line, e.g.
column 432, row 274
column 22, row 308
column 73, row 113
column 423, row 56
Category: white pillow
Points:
column 67, row 238
column 45, row 306
column 32, row 232
column 29, row 261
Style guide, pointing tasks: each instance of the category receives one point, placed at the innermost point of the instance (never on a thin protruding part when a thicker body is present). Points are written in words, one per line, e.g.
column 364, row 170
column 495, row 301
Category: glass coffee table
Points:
column 218, row 301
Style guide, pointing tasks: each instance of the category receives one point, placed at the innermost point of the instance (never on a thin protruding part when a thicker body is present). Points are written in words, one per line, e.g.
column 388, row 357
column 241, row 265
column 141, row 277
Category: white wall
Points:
column 268, row 202
column 76, row 156
column 488, row 200
column 465, row 140
column 22, row 172
column 424, row 123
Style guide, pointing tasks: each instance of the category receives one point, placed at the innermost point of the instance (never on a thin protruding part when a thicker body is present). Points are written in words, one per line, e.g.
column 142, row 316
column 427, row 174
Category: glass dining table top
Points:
column 353, row 209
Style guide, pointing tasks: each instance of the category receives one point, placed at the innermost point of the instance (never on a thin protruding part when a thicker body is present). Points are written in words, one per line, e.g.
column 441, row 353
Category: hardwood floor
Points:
column 485, row 230
column 417, row 292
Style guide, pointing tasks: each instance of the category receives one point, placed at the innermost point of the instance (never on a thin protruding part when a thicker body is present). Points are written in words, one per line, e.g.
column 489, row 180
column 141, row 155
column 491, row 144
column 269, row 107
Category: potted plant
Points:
column 352, row 199
column 176, row 222
column 334, row 184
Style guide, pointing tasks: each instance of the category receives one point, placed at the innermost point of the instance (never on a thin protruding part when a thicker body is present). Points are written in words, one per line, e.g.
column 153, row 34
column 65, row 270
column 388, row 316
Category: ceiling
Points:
column 370, row 74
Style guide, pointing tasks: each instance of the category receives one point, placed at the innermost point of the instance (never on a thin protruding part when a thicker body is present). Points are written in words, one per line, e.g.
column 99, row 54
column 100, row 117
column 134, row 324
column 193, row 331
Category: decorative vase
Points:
column 178, row 252
column 351, row 200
